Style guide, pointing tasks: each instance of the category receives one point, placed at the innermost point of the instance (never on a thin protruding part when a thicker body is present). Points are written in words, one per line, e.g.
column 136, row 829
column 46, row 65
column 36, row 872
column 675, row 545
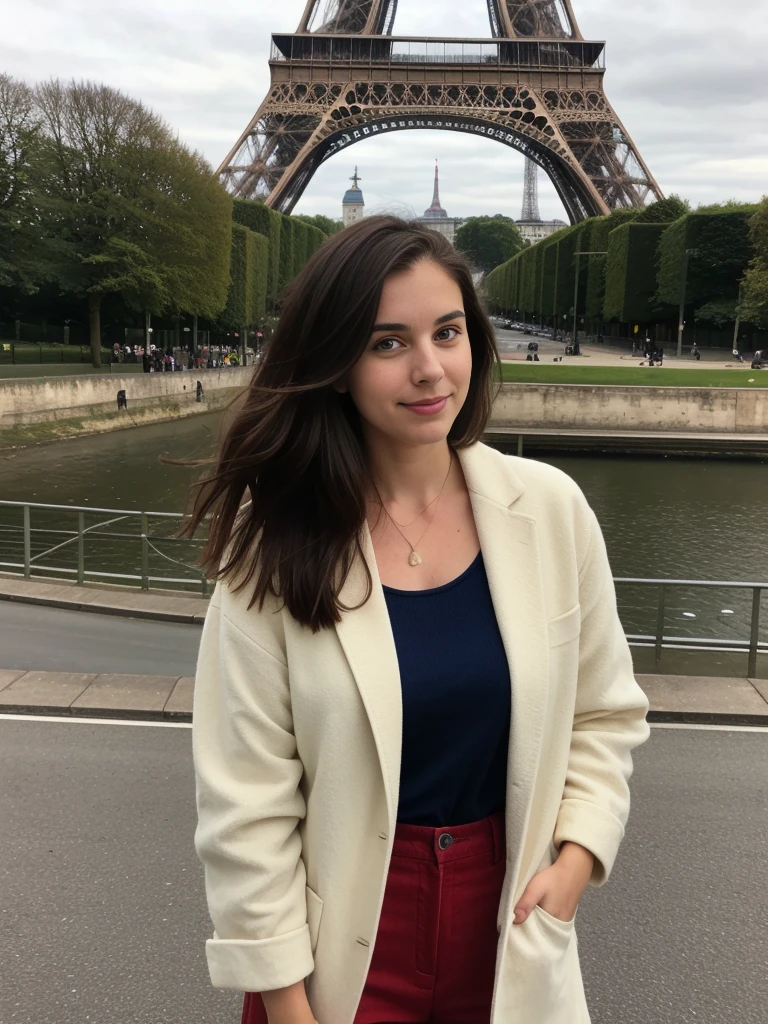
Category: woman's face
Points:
column 419, row 351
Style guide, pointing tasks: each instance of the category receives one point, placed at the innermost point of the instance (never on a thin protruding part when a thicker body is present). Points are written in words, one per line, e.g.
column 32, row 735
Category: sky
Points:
column 688, row 79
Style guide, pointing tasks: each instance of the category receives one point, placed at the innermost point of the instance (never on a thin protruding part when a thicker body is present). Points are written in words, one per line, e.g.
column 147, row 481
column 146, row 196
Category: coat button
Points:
column 445, row 840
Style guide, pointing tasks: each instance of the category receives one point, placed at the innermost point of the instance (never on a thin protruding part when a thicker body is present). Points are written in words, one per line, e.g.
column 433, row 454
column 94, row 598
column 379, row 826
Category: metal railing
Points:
column 354, row 49
column 88, row 544
column 659, row 640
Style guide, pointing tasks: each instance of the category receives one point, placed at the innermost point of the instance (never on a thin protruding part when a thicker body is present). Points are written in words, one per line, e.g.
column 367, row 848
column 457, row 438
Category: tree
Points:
column 19, row 142
column 325, row 224
column 754, row 304
column 487, row 242
column 664, row 211
column 127, row 208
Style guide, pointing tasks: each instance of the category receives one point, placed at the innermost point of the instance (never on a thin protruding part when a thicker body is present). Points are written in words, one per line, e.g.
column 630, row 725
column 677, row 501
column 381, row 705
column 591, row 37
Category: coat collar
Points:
column 509, row 544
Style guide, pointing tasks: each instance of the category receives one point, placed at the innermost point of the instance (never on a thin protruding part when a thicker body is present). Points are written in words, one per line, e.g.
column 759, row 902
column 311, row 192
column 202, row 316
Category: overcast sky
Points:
column 689, row 79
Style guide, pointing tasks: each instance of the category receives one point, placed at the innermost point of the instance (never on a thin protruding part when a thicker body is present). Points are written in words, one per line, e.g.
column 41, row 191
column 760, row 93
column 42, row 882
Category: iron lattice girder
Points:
column 508, row 18
column 536, row 85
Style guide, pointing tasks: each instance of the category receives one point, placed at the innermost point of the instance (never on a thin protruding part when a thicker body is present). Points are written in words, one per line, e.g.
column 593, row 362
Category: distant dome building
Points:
column 353, row 204
column 436, row 219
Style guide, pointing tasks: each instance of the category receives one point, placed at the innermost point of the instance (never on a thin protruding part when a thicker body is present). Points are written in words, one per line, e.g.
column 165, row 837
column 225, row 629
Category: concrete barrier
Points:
column 610, row 408
column 49, row 407
column 42, row 399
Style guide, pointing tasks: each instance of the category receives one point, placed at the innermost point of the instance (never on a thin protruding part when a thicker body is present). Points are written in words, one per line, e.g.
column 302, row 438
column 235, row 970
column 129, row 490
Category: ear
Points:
column 340, row 386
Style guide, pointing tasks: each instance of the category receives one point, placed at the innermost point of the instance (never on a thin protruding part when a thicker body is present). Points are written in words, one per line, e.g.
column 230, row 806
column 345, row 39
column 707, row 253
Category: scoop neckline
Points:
column 435, row 590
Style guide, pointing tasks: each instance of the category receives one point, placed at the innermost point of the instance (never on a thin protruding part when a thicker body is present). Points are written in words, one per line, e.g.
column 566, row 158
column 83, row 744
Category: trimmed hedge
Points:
column 601, row 229
column 721, row 254
column 266, row 222
column 630, row 282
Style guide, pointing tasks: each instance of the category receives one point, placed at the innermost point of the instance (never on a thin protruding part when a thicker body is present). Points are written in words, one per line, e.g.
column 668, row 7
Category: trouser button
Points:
column 445, row 841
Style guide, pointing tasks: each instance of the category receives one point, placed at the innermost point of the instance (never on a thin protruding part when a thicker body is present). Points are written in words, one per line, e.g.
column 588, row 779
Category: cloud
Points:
column 686, row 79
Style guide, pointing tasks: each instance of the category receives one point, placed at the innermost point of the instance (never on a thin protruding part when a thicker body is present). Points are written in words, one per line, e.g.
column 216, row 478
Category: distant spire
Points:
column 435, row 210
column 355, row 178
column 531, row 192
column 436, row 192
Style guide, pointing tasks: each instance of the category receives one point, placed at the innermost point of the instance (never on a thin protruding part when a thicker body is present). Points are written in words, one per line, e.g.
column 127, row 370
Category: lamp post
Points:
column 578, row 255
column 683, row 285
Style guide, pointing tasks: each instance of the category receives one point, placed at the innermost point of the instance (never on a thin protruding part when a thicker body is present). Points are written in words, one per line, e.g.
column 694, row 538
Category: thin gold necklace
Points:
column 415, row 558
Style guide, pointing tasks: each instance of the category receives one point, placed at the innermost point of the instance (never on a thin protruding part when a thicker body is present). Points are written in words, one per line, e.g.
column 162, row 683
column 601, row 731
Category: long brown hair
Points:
column 295, row 444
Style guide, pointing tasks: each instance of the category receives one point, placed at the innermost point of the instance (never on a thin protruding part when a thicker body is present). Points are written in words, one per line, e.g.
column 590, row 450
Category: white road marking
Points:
column 84, row 720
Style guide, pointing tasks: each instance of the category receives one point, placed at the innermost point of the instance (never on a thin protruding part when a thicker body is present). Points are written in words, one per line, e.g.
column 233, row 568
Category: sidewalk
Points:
column 23, row 690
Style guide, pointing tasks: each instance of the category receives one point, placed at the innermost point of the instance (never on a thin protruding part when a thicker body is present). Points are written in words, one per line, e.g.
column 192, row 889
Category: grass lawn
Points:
column 639, row 376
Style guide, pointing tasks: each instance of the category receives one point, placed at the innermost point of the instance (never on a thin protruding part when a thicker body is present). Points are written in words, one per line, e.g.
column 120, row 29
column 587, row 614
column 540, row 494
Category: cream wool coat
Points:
column 297, row 739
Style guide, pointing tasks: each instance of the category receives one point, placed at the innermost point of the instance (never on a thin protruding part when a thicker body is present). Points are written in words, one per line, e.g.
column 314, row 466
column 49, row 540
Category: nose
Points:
column 426, row 366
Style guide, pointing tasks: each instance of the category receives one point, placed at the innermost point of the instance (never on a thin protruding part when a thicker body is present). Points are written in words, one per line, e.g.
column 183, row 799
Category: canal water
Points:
column 691, row 519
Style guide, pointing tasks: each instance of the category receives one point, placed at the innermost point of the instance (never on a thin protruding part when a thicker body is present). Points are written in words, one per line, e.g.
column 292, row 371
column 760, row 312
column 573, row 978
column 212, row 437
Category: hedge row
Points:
column 639, row 278
column 268, row 250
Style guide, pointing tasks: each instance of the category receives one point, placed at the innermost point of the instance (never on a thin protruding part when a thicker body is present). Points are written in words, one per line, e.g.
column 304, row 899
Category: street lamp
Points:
column 683, row 285
column 579, row 254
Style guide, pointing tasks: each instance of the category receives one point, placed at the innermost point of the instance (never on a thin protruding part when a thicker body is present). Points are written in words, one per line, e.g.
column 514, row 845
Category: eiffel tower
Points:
column 535, row 84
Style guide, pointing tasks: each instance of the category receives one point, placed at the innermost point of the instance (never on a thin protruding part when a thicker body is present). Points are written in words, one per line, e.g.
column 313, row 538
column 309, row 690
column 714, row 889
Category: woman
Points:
column 414, row 703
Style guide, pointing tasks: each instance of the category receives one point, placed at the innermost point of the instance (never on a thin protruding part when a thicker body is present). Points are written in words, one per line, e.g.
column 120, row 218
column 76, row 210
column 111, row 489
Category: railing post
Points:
column 660, row 625
column 144, row 551
column 27, row 542
column 757, row 594
column 80, row 547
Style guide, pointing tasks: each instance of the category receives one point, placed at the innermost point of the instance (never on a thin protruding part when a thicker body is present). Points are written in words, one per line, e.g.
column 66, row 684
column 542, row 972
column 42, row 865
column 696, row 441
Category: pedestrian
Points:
column 736, row 354
column 695, row 351
column 403, row 619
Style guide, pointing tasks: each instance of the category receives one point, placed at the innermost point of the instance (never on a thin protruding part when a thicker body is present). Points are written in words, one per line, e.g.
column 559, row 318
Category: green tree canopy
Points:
column 20, row 247
column 754, row 304
column 487, row 242
column 130, row 209
column 325, row 224
column 664, row 211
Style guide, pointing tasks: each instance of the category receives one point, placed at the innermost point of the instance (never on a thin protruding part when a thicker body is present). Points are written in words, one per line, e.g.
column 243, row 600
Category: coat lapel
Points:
column 509, row 544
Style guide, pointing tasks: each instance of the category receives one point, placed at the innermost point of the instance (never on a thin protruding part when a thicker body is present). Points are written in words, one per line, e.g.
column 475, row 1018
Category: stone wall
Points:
column 47, row 408
column 614, row 408
column 50, row 407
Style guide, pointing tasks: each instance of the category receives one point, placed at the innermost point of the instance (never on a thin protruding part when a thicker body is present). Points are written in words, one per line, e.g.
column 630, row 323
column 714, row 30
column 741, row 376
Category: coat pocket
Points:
column 314, row 913
column 565, row 627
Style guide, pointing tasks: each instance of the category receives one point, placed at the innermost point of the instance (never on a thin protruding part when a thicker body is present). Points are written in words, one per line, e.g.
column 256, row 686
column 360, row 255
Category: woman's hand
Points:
column 559, row 888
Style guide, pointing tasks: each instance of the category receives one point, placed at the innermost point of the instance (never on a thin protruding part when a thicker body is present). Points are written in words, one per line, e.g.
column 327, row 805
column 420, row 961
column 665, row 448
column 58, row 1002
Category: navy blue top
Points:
column 456, row 701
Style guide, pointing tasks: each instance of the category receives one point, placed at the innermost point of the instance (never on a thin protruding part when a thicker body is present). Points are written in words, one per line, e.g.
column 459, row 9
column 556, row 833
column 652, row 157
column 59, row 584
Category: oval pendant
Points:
column 415, row 558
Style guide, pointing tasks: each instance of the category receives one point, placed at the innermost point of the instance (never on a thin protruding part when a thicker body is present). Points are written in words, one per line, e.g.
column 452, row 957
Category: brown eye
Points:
column 384, row 341
column 444, row 329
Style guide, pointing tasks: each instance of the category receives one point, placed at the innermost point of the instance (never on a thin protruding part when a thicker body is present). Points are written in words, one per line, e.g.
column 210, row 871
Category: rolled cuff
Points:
column 260, row 965
column 594, row 828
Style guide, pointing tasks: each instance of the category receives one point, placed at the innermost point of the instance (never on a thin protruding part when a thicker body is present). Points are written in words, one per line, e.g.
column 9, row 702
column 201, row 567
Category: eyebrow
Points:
column 406, row 327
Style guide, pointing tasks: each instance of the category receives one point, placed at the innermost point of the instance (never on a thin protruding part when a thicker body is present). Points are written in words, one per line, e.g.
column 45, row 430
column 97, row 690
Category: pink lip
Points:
column 427, row 408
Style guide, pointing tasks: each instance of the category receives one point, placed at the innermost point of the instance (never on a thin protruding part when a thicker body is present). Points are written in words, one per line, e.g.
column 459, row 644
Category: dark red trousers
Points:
column 434, row 957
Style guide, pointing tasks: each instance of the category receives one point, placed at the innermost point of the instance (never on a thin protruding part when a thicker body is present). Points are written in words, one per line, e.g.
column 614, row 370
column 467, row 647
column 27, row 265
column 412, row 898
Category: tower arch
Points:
column 536, row 85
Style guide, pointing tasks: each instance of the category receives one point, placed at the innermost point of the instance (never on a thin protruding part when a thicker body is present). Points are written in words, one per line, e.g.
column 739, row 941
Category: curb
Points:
column 706, row 718
column 128, row 714
column 132, row 613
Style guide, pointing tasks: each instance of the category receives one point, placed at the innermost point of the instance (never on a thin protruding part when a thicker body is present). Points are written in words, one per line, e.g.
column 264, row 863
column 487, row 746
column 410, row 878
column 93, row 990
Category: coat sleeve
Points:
column 609, row 717
column 249, row 803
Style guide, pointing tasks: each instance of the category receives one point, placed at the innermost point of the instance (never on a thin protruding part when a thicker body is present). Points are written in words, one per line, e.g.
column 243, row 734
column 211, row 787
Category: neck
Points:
column 410, row 478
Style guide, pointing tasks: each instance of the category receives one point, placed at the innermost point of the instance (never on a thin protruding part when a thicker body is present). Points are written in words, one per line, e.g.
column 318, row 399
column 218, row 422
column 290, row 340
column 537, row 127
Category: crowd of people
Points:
column 157, row 360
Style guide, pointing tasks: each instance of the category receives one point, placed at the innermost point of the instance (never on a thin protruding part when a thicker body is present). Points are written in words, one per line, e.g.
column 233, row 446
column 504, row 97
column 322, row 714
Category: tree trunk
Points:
column 94, row 308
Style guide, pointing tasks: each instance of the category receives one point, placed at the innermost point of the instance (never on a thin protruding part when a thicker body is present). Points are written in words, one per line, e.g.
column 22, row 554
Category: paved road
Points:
column 57, row 640
column 104, row 916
